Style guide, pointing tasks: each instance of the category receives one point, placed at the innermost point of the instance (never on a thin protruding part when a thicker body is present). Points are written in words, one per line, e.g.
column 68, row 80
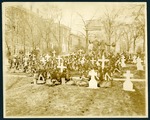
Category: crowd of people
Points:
column 56, row 67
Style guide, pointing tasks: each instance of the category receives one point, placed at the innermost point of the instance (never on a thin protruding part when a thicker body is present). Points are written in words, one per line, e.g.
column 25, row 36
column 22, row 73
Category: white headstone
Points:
column 34, row 81
column 63, row 82
column 90, row 47
column 49, row 82
column 92, row 82
column 128, row 85
column 123, row 61
column 35, row 76
column 117, row 48
column 25, row 61
column 82, row 61
column 41, row 79
column 139, row 64
column 134, row 59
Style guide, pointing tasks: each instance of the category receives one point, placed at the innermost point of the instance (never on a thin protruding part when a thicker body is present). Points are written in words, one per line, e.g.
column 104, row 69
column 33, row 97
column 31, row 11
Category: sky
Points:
column 87, row 10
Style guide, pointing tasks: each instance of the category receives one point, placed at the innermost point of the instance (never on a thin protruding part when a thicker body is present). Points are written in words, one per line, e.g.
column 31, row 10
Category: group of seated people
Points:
column 54, row 77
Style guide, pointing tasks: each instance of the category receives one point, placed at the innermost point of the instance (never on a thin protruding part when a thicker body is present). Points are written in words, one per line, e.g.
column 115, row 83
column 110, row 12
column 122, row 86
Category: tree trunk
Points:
column 134, row 44
column 109, row 43
column 128, row 46
column 24, row 42
column 144, row 42
column 47, row 46
column 24, row 47
column 87, row 39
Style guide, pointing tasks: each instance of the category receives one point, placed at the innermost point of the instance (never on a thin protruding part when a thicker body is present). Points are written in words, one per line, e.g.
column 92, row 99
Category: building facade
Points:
column 26, row 30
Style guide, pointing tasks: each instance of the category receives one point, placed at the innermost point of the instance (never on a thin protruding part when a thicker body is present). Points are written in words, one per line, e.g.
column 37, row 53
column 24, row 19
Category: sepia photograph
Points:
column 75, row 60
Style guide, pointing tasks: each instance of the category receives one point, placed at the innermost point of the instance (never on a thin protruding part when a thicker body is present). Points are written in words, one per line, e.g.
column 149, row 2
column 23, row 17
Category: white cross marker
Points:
column 15, row 55
column 92, row 60
column 25, row 59
column 14, row 60
column 80, row 51
column 34, row 57
column 97, row 63
column 123, row 57
column 103, row 60
column 28, row 54
column 92, row 73
column 43, row 60
column 68, row 60
column 82, row 61
column 59, row 59
column 123, row 61
column 61, row 67
column 47, row 57
column 128, row 75
column 73, row 54
column 139, row 60
column 134, row 59
column 54, row 52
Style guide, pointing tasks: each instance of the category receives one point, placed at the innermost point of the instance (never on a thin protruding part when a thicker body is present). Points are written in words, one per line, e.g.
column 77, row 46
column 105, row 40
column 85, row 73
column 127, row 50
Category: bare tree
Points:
column 128, row 35
column 10, row 32
column 139, row 23
column 110, row 25
column 85, row 24
column 136, row 29
column 54, row 16
column 118, row 34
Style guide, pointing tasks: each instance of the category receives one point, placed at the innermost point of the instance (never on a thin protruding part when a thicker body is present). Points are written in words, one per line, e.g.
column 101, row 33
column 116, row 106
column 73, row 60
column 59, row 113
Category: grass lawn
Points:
column 137, row 74
column 25, row 99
